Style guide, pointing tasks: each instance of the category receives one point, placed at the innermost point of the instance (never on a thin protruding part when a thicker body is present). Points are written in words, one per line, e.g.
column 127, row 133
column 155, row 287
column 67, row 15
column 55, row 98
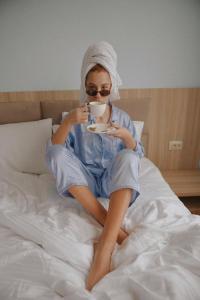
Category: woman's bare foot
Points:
column 100, row 265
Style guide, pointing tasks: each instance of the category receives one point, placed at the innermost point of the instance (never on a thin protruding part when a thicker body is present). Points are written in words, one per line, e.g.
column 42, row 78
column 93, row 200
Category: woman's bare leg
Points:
column 94, row 207
column 118, row 205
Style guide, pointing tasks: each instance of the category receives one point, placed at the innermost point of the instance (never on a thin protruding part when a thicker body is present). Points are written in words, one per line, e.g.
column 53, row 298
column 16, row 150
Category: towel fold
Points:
column 101, row 53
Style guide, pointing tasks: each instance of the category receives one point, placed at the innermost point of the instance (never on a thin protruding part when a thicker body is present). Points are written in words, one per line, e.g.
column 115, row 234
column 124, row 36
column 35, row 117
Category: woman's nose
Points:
column 98, row 96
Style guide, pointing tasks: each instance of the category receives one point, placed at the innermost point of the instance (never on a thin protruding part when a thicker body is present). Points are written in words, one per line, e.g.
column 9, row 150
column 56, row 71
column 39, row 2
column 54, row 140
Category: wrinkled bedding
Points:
column 46, row 243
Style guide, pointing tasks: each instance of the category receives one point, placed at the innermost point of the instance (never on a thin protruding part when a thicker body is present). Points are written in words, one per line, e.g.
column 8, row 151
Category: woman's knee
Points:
column 127, row 157
column 58, row 157
column 125, row 165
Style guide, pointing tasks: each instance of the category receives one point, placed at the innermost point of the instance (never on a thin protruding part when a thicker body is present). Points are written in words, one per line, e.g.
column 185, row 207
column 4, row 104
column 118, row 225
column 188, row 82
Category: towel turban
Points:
column 101, row 53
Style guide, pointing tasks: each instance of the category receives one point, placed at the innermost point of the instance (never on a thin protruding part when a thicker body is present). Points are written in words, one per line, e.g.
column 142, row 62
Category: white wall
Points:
column 42, row 41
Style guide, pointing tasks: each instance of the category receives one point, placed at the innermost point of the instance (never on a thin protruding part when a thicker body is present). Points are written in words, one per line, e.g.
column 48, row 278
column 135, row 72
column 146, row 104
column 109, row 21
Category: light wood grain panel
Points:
column 175, row 115
column 39, row 96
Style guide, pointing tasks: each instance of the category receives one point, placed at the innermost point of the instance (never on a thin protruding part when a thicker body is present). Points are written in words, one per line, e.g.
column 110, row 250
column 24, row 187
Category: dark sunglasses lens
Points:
column 104, row 93
column 93, row 92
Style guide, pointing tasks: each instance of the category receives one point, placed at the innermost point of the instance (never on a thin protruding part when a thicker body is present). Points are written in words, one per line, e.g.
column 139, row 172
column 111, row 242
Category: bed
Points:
column 47, row 241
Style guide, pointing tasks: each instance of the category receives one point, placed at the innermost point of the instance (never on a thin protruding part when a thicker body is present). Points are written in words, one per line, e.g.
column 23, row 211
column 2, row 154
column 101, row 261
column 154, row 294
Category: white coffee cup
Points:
column 97, row 108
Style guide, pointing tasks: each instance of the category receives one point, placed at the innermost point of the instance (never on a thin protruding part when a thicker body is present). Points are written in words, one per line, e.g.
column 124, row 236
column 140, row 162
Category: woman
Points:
column 88, row 165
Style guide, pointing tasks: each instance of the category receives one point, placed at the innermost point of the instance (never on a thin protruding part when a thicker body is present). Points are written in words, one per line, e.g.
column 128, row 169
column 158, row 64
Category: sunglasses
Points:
column 93, row 92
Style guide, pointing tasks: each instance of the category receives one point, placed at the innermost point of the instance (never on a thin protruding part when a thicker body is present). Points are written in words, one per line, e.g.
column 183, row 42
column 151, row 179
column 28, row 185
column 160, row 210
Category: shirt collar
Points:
column 113, row 116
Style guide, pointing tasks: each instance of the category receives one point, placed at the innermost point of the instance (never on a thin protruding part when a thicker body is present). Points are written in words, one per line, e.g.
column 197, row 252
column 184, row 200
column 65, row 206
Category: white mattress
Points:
column 46, row 243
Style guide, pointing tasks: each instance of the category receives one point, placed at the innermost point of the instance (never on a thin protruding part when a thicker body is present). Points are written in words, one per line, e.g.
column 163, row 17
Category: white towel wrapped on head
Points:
column 101, row 53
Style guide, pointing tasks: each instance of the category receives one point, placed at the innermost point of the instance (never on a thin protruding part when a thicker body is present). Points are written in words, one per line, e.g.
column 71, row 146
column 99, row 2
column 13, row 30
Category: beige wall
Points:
column 43, row 42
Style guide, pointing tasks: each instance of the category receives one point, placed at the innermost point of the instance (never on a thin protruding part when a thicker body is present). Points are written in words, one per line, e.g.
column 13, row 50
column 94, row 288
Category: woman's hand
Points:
column 77, row 115
column 124, row 134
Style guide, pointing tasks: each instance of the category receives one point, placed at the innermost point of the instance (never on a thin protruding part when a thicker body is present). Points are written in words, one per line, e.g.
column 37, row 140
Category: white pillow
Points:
column 139, row 125
column 23, row 145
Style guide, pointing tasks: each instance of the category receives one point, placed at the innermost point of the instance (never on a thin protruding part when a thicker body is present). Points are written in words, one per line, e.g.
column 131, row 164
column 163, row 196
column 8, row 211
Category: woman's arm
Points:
column 76, row 116
column 61, row 133
column 127, row 137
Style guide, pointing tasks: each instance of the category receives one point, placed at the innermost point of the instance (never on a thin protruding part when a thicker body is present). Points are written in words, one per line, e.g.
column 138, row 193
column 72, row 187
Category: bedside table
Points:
column 184, row 183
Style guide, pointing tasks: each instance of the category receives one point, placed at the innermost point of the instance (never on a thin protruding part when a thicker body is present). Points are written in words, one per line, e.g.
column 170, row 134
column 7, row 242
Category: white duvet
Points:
column 46, row 244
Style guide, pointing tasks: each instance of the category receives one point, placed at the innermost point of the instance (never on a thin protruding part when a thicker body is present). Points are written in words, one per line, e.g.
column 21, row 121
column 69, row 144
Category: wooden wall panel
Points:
column 169, row 114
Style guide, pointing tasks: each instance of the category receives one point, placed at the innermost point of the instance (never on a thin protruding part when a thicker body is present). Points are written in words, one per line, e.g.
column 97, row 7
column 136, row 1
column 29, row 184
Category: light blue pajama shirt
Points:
column 99, row 161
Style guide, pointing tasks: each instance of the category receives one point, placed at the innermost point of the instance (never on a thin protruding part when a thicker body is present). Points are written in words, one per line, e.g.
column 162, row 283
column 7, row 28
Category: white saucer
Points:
column 100, row 128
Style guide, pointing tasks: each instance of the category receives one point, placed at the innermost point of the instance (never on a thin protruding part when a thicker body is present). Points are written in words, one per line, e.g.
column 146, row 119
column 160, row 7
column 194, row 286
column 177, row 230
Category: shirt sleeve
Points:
column 67, row 144
column 139, row 149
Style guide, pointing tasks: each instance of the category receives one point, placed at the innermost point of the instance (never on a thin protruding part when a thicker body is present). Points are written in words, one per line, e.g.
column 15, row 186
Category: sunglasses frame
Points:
column 93, row 92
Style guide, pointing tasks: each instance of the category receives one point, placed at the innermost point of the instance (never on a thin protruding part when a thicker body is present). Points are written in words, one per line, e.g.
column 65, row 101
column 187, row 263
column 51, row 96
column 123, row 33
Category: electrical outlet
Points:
column 175, row 145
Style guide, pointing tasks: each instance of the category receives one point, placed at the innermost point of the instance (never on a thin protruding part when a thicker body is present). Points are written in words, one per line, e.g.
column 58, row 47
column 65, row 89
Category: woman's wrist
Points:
column 68, row 122
column 130, row 142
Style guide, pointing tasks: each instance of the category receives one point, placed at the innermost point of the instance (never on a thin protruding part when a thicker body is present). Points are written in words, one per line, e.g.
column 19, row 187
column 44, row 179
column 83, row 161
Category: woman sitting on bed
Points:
column 88, row 165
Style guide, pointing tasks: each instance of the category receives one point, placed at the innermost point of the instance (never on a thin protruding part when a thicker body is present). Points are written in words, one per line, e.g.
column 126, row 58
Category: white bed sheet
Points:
column 46, row 243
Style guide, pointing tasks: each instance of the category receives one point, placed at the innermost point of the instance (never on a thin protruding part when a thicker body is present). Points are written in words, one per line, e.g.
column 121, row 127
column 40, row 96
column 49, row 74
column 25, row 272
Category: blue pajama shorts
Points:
column 68, row 170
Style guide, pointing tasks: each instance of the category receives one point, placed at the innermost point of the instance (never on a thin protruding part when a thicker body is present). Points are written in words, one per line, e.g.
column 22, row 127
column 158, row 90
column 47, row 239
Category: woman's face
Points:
column 98, row 81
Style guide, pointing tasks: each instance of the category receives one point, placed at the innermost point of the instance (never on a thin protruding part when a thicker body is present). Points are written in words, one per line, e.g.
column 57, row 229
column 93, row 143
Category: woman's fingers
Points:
column 78, row 115
column 83, row 117
column 84, row 108
column 115, row 125
column 113, row 128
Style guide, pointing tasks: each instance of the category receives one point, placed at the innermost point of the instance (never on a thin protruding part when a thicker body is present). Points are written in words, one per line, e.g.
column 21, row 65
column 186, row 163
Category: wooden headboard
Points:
column 168, row 114
column 23, row 111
